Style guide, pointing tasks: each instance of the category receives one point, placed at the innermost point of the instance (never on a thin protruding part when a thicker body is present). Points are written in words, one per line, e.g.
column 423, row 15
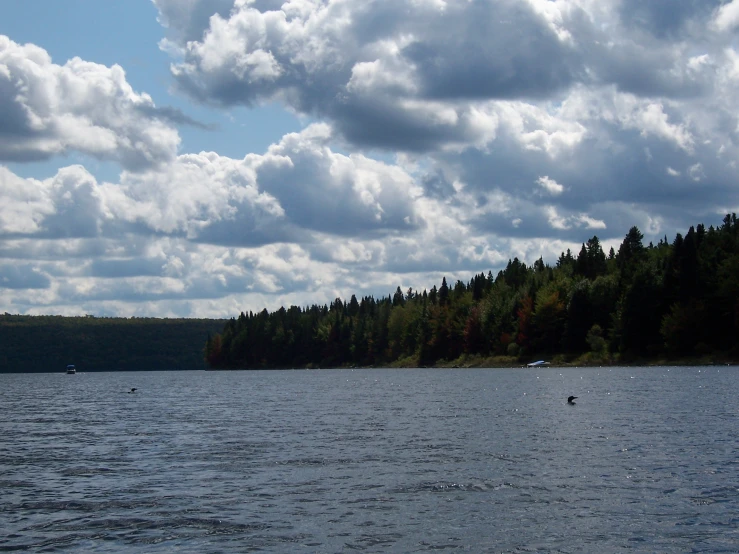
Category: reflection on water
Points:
column 372, row 460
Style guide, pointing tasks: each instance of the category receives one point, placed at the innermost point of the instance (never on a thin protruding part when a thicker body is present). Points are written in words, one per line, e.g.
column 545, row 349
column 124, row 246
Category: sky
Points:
column 200, row 158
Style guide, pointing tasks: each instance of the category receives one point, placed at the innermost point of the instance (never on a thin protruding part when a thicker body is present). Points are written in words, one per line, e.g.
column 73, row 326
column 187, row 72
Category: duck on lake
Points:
column 571, row 400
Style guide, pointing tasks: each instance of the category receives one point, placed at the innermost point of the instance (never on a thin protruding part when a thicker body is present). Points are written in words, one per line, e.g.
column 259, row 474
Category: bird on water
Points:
column 571, row 400
column 132, row 390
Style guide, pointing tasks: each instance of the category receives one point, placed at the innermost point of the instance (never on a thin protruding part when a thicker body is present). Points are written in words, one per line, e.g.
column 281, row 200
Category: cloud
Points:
column 48, row 109
column 442, row 137
column 415, row 75
column 188, row 19
column 300, row 222
column 298, row 186
column 175, row 116
column 673, row 172
column 580, row 221
column 430, row 80
column 24, row 276
column 68, row 205
column 667, row 19
column 330, row 192
column 395, row 69
column 550, row 186
column 727, row 16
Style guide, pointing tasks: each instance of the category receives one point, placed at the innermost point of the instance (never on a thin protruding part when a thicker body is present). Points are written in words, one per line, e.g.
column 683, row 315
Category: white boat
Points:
column 71, row 370
column 537, row 364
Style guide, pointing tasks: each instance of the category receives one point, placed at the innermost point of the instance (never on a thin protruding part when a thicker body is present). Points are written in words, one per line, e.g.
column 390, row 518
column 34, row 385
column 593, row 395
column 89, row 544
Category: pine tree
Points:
column 443, row 293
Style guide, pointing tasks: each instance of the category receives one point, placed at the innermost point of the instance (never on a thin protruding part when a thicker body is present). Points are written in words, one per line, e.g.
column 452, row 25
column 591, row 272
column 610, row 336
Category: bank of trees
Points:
column 673, row 299
column 49, row 343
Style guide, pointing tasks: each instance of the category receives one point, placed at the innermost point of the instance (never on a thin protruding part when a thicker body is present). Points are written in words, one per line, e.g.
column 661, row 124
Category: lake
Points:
column 371, row 460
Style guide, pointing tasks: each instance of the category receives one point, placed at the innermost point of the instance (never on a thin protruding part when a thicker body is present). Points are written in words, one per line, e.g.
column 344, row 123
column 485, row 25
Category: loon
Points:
column 571, row 400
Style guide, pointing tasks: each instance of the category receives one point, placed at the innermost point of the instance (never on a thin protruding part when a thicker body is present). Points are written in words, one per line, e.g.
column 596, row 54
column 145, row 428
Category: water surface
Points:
column 371, row 460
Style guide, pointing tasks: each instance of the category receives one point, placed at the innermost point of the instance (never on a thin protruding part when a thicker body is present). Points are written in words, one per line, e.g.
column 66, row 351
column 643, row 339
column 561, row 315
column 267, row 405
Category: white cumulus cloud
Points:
column 48, row 109
column 550, row 186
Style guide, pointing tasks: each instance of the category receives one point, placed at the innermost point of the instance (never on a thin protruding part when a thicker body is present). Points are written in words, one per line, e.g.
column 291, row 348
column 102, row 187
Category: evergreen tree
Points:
column 353, row 308
column 443, row 293
column 630, row 254
column 596, row 259
column 433, row 295
column 398, row 299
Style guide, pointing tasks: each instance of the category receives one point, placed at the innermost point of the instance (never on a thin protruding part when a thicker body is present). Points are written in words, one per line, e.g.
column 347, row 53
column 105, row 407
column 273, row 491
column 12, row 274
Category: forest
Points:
column 49, row 343
column 675, row 300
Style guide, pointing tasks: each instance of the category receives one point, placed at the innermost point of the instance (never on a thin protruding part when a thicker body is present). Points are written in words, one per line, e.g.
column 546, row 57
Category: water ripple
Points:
column 371, row 461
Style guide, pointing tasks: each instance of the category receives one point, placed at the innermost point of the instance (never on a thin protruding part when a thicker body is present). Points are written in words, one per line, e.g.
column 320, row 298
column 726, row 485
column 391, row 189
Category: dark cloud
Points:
column 316, row 194
column 15, row 126
column 380, row 123
column 651, row 70
column 13, row 118
column 22, row 276
column 491, row 50
column 246, row 230
column 132, row 267
column 666, row 18
column 175, row 116
column 436, row 185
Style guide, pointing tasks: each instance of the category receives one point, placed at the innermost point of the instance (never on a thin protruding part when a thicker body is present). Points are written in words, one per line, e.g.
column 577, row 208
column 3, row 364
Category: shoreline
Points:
column 582, row 361
column 507, row 363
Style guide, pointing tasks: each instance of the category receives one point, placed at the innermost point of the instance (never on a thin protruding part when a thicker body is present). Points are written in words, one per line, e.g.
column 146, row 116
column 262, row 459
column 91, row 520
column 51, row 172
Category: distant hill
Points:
column 49, row 343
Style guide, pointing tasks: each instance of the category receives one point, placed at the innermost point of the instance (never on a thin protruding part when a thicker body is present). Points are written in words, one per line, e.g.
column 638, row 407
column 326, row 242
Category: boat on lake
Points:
column 537, row 364
column 71, row 370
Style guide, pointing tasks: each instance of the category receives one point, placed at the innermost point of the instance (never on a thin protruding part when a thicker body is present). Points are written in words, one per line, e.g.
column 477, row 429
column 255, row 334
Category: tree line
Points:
column 49, row 343
column 672, row 299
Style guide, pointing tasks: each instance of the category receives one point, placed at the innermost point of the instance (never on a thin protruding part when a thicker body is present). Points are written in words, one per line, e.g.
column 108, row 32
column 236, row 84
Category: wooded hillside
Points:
column 49, row 343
